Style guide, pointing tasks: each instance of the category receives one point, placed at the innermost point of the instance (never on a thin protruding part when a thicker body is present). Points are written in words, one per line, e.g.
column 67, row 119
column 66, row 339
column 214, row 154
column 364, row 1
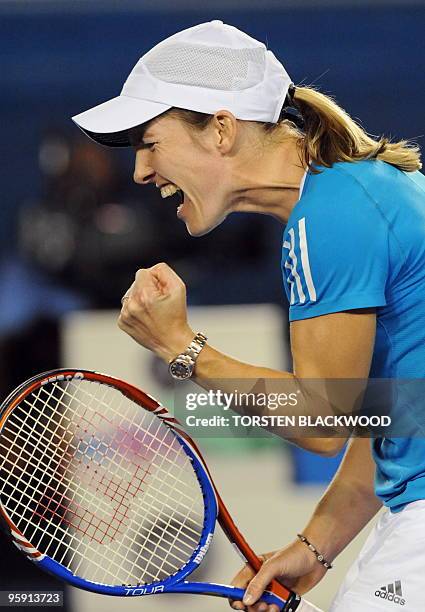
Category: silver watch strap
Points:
column 196, row 346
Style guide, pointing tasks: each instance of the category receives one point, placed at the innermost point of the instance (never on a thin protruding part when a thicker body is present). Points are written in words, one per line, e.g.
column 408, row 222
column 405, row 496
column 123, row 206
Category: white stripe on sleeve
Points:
column 291, row 283
column 294, row 267
column 305, row 262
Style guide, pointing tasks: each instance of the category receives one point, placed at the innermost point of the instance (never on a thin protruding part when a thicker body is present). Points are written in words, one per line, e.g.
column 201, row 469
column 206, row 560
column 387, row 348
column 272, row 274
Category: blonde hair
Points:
column 329, row 134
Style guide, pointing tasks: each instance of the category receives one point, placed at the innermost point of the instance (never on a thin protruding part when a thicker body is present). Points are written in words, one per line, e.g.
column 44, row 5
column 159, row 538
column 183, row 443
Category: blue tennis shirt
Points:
column 356, row 239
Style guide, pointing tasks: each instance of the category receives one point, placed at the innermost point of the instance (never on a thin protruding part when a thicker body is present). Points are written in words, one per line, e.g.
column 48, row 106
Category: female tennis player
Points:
column 213, row 115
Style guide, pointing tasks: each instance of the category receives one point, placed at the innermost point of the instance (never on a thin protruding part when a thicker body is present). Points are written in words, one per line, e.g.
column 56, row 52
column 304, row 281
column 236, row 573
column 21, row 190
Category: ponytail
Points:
column 331, row 135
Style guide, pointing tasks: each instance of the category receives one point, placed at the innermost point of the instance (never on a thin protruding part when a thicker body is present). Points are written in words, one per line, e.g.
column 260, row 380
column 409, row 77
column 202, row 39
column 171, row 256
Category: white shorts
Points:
column 389, row 573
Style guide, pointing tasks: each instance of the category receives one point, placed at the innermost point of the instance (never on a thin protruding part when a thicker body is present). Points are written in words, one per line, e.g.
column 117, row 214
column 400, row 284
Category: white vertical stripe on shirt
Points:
column 294, row 267
column 291, row 283
column 305, row 262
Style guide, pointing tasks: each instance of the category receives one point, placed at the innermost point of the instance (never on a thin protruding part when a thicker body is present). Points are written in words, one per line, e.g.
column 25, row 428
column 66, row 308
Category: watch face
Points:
column 180, row 369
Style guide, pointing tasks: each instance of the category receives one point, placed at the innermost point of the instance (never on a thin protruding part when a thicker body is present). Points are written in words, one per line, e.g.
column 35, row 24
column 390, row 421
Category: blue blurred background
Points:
column 70, row 213
column 74, row 228
column 58, row 58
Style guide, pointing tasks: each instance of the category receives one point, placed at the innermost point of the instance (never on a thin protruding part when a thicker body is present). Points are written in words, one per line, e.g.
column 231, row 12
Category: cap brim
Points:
column 109, row 123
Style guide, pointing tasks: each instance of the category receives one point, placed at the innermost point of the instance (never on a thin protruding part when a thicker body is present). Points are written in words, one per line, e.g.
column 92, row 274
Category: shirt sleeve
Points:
column 335, row 255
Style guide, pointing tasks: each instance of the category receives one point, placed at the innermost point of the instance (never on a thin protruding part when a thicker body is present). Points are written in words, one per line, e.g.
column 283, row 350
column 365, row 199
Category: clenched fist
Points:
column 154, row 312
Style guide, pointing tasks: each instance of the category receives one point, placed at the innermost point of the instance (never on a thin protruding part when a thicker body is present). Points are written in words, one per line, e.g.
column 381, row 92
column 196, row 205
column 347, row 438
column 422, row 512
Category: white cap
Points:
column 206, row 68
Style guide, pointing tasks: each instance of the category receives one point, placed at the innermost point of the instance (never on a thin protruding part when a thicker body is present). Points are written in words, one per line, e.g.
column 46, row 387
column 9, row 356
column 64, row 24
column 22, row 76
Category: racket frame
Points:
column 215, row 510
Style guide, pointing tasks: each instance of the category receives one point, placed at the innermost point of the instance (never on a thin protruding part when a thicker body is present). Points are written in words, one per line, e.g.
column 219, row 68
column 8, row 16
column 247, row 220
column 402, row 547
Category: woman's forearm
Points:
column 214, row 371
column 213, row 365
column 348, row 504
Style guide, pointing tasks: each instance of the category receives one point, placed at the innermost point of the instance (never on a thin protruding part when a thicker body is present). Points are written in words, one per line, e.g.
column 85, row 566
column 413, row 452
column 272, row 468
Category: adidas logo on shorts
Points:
column 391, row 592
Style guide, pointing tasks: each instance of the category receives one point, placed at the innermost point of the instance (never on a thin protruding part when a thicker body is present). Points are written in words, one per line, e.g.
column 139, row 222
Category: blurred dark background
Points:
column 75, row 228
column 70, row 212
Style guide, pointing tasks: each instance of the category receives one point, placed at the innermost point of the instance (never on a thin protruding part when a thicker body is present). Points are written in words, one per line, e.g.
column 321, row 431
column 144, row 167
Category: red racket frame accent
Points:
column 151, row 404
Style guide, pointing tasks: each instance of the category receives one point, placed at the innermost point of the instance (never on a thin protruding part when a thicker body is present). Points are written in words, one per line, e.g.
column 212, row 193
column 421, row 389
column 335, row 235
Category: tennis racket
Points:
column 100, row 486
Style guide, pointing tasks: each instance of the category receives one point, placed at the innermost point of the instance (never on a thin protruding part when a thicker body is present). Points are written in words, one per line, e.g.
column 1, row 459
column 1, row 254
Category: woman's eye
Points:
column 148, row 145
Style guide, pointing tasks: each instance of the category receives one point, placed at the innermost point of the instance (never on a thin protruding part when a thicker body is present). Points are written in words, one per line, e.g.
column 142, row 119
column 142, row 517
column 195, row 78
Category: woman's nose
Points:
column 143, row 173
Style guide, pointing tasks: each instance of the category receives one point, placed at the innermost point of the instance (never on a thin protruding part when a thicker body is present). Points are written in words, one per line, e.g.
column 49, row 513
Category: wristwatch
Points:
column 182, row 366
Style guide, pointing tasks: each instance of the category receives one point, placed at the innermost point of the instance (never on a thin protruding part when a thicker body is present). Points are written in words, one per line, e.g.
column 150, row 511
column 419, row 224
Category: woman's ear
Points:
column 225, row 127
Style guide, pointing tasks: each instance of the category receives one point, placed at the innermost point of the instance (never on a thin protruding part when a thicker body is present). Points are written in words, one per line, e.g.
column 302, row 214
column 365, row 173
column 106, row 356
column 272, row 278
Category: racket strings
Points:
column 71, row 456
column 45, row 465
column 49, row 471
column 141, row 545
column 175, row 534
column 153, row 500
column 103, row 485
column 37, row 478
